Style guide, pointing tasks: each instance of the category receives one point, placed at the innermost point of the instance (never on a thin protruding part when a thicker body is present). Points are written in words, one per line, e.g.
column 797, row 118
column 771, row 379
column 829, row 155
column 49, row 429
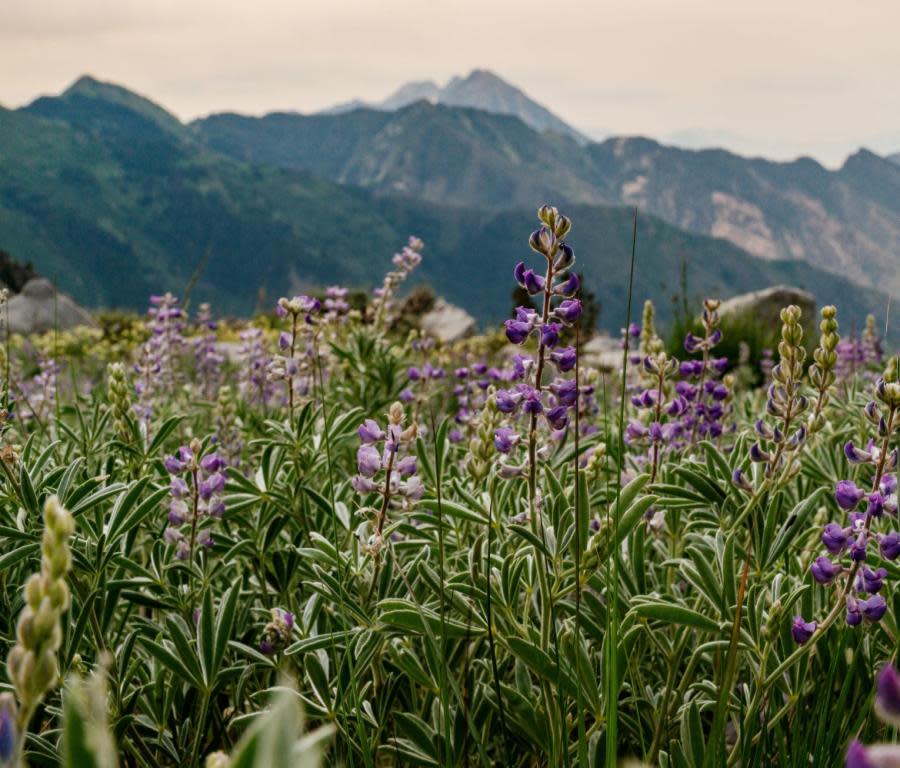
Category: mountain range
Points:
column 847, row 220
column 480, row 89
column 116, row 198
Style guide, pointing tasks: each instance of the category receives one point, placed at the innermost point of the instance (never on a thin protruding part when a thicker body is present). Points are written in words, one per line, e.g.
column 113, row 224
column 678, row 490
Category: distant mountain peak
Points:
column 90, row 89
column 480, row 89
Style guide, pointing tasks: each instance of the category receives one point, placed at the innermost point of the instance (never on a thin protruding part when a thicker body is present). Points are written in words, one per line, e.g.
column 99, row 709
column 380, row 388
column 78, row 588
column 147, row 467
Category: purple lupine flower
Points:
column 368, row 460
column 363, row 484
column 824, row 571
column 872, row 581
column 758, row 455
column 208, row 359
column 518, row 331
column 532, row 282
column 854, row 615
column 855, row 455
column 549, row 335
column 692, row 343
column 564, row 358
column 741, row 481
column 635, row 431
column 558, row 417
column 887, row 695
column 873, row 608
column 686, row 390
column 519, row 273
column 277, row 633
column 179, row 487
column 178, row 511
column 531, row 402
column 566, row 392
column 875, row 504
column 369, row 432
column 802, row 630
column 858, row 548
column 406, row 466
column 212, row 462
column 565, row 259
column 835, row 538
column 174, row 466
column 569, row 286
column 569, row 310
column 847, row 494
column 509, row 471
column 876, row 756
column 8, row 734
column 889, row 545
column 254, row 386
column 505, row 439
column 507, row 400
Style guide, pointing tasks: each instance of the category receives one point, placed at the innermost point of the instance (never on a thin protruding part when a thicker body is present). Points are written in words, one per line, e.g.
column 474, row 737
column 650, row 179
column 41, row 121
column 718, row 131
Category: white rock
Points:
column 447, row 322
column 40, row 308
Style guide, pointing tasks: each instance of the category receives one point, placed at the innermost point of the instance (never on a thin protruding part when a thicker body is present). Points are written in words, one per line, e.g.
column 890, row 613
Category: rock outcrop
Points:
column 40, row 308
column 447, row 322
column 766, row 305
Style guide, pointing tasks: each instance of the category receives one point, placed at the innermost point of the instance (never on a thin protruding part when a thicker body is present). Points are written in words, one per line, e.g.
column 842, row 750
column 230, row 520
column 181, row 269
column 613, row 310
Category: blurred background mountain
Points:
column 108, row 192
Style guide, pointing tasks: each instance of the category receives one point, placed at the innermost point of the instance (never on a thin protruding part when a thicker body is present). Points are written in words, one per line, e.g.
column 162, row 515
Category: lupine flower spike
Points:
column 850, row 546
column 32, row 662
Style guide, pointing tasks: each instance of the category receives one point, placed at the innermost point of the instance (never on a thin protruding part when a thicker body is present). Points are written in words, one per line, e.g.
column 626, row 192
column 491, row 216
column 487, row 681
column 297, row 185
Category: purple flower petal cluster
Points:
column 659, row 423
column 853, row 540
column 532, row 398
column 197, row 486
column 156, row 367
column 864, row 583
column 404, row 263
column 701, row 386
column 254, row 384
column 276, row 635
column 335, row 304
column 384, row 463
column 780, row 442
column 207, row 357
column 295, row 365
column 887, row 707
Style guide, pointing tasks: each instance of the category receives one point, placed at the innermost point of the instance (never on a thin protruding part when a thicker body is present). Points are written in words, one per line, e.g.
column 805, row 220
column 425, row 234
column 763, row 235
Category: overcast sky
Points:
column 781, row 78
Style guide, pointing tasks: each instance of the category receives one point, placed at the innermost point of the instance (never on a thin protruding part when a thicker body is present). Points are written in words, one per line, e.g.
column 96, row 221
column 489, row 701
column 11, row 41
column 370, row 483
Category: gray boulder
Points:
column 39, row 308
column 447, row 322
column 603, row 352
column 765, row 306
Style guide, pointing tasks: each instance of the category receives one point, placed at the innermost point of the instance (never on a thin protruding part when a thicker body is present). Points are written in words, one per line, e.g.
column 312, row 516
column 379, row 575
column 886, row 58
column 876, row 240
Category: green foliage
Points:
column 609, row 605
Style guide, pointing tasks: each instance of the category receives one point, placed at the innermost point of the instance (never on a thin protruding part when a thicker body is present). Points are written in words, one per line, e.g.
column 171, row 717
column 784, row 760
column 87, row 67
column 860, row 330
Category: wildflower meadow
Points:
column 323, row 537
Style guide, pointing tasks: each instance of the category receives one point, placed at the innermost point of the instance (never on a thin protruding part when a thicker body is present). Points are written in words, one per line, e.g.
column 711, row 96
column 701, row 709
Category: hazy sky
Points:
column 778, row 77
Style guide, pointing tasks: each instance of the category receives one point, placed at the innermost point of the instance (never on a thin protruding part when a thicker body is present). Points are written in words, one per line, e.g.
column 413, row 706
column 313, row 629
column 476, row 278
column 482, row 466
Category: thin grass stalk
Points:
column 354, row 689
column 612, row 564
column 438, row 471
column 582, row 739
column 498, row 691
